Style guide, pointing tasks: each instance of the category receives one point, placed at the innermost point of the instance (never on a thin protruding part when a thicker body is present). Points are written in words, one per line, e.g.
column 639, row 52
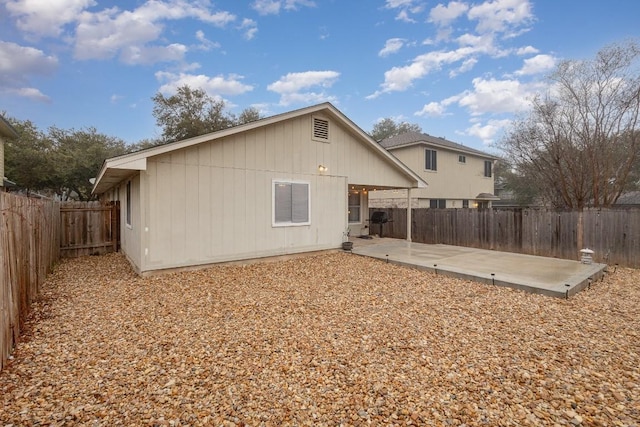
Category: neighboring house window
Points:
column 128, row 200
column 465, row 204
column 462, row 158
column 430, row 161
column 355, row 202
column 320, row 129
column 290, row 203
column 438, row 203
column 487, row 168
column 483, row 205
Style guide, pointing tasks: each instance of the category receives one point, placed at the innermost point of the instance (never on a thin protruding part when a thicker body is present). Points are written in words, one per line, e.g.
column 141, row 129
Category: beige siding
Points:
column 130, row 234
column 453, row 180
column 213, row 202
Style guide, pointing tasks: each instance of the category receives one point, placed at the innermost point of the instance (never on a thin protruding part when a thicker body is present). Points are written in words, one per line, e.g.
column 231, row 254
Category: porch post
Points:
column 409, row 215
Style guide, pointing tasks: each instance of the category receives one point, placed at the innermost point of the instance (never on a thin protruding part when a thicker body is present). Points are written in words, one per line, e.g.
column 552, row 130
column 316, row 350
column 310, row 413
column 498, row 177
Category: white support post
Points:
column 408, row 215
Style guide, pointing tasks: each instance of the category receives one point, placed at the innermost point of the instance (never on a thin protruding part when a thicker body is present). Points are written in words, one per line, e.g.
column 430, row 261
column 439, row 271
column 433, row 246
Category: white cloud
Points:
column 29, row 92
column 401, row 78
column 536, row 65
column 443, row 15
column 527, row 50
column 152, row 54
column 18, row 63
column 501, row 15
column 432, row 109
column 391, row 46
column 498, row 96
column 273, row 7
column 407, row 7
column 466, row 66
column 488, row 132
column 205, row 43
column 215, row 86
column 46, row 18
column 293, row 87
column 115, row 98
column 294, row 82
column 112, row 32
column 250, row 28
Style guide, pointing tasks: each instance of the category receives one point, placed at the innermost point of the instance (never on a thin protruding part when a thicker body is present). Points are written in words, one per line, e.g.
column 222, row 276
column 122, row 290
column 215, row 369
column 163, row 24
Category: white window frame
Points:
column 276, row 182
column 359, row 193
column 488, row 167
column 462, row 158
column 128, row 207
column 433, row 159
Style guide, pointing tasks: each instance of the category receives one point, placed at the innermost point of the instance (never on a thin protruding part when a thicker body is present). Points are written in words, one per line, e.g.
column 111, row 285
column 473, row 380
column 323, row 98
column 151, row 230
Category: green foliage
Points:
column 79, row 155
column 61, row 161
column 192, row 112
column 388, row 127
column 28, row 158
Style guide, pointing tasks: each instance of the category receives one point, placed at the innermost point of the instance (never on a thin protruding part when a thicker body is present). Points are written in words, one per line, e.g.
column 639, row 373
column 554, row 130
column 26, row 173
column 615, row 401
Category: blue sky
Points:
column 459, row 69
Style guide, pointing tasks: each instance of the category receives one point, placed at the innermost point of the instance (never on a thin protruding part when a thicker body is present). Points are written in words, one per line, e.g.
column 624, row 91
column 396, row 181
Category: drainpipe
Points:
column 409, row 215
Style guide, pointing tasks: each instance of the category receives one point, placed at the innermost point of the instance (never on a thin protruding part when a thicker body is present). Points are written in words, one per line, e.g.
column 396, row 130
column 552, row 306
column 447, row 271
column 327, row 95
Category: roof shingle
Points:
column 412, row 138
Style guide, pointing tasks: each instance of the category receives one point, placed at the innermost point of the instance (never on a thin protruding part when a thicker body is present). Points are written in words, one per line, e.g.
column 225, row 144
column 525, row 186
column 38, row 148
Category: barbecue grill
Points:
column 380, row 218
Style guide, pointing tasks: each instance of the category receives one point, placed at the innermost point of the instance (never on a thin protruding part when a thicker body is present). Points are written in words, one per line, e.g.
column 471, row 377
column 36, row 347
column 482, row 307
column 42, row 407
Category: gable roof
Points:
column 414, row 138
column 6, row 129
column 116, row 169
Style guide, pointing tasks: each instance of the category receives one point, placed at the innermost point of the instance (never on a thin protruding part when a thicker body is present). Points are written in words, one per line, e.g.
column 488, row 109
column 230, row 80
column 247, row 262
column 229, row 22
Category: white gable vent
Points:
column 321, row 129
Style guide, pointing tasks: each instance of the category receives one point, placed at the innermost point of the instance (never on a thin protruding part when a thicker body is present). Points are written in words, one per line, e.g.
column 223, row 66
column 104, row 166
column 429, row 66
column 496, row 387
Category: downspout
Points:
column 409, row 215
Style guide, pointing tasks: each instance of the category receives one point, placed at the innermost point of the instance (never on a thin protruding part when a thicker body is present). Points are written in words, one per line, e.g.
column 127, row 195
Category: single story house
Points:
column 291, row 183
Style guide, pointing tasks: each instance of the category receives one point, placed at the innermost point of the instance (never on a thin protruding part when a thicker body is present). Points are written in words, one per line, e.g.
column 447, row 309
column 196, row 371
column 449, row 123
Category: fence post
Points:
column 580, row 231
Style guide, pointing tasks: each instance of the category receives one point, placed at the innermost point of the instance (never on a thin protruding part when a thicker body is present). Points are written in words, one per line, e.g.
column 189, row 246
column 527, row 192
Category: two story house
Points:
column 458, row 176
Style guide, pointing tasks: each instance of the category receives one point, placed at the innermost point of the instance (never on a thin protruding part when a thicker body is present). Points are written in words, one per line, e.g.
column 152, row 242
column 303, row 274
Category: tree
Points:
column 386, row 128
column 248, row 115
column 28, row 159
column 78, row 157
column 192, row 112
column 580, row 142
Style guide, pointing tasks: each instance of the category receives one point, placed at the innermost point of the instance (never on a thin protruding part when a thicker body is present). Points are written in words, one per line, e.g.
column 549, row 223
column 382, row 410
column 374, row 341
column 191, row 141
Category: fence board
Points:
column 89, row 228
column 614, row 234
column 29, row 247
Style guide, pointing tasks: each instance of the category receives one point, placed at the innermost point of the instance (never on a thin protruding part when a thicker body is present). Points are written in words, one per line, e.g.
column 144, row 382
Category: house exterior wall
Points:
column 213, row 202
column 453, row 181
column 130, row 233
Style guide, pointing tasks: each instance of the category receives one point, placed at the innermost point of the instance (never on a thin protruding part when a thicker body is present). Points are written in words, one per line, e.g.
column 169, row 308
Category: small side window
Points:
column 128, row 201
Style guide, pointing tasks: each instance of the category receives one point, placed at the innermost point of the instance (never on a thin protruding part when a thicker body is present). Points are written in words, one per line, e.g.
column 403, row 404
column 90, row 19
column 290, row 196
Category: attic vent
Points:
column 321, row 129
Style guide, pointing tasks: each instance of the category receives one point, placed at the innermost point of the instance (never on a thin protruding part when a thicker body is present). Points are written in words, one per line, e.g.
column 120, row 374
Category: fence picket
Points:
column 614, row 234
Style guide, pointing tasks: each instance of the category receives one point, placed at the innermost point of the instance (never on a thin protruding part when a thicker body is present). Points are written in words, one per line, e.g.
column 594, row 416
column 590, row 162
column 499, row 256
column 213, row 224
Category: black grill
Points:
column 380, row 218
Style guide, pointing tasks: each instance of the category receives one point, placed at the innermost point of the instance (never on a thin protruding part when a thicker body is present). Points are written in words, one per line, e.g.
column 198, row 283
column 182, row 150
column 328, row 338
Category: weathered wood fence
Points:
column 614, row 234
column 89, row 228
column 29, row 248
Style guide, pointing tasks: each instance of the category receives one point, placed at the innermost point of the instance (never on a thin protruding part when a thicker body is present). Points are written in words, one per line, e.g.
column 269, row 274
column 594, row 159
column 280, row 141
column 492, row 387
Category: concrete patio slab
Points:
column 541, row 275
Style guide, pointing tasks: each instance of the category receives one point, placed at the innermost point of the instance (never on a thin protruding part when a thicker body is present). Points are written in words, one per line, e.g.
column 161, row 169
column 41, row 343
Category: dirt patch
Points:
column 323, row 340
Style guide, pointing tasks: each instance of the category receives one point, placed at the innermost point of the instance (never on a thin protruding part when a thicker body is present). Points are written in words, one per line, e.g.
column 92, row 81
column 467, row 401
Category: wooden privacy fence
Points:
column 614, row 234
column 29, row 247
column 89, row 228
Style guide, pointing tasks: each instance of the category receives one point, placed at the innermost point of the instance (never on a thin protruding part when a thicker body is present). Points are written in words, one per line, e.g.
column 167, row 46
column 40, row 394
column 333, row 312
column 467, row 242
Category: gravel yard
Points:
column 331, row 339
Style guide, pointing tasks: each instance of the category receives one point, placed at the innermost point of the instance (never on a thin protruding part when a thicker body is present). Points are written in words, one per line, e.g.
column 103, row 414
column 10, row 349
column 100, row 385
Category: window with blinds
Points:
column 291, row 203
